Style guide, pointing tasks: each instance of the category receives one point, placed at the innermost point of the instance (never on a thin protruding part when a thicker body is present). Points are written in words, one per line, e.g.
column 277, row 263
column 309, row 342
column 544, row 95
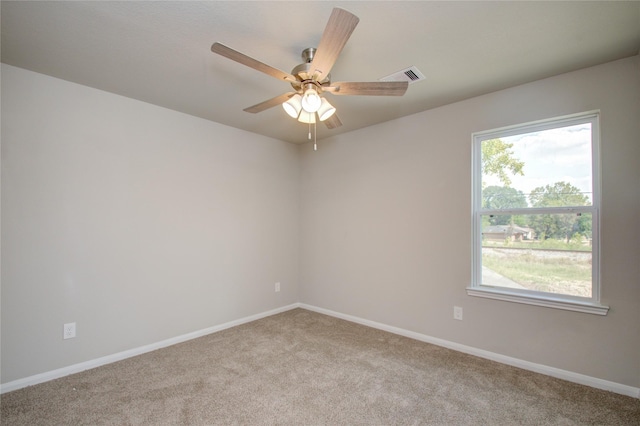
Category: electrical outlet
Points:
column 457, row 313
column 69, row 331
column 277, row 287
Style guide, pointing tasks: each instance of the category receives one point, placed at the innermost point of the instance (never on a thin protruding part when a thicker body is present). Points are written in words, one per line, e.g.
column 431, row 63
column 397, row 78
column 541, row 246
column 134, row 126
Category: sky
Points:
column 550, row 156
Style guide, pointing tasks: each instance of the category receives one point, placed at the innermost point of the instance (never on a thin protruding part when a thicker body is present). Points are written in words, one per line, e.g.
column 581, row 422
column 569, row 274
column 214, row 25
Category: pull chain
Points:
column 315, row 146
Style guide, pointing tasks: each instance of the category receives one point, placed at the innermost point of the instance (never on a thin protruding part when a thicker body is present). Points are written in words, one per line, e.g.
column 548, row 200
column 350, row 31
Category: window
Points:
column 535, row 214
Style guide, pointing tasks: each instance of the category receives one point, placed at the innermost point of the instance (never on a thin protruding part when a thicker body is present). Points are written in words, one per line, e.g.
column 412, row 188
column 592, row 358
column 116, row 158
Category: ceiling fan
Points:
column 311, row 79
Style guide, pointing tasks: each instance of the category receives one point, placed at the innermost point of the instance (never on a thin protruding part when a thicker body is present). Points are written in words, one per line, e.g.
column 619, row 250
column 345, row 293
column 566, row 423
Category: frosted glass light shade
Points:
column 326, row 110
column 293, row 106
column 307, row 117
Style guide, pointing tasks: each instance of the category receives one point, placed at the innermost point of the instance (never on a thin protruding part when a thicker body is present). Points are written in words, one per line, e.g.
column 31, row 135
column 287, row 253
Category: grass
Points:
column 549, row 244
column 542, row 271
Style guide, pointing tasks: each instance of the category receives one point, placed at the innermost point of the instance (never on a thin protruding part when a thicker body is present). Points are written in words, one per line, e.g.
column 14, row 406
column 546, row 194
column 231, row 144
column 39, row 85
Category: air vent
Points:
column 411, row 74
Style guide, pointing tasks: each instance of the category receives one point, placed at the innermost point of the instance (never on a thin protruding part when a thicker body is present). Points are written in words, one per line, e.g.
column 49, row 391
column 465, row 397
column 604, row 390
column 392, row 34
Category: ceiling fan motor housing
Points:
column 301, row 72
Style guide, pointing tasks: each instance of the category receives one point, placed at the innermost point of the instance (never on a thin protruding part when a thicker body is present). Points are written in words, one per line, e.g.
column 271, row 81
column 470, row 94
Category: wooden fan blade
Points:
column 372, row 88
column 243, row 59
column 338, row 30
column 278, row 100
column 333, row 122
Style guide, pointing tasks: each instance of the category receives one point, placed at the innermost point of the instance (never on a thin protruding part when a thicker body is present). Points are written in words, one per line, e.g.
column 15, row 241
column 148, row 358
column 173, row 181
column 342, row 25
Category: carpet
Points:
column 304, row 368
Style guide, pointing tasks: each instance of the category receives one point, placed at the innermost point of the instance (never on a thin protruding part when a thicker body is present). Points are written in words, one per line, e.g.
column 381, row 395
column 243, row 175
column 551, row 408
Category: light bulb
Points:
column 310, row 100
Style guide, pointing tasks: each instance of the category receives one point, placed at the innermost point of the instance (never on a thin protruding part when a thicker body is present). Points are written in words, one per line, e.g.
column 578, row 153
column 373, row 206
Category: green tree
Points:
column 583, row 225
column 560, row 194
column 561, row 226
column 501, row 197
column 498, row 160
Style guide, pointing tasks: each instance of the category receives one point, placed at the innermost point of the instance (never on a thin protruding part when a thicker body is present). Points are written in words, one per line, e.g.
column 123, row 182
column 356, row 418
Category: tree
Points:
column 561, row 194
column 565, row 225
column 498, row 159
column 500, row 197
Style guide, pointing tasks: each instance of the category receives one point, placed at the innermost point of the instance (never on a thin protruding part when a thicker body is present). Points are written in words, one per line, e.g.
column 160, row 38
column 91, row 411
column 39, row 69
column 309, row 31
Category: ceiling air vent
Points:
column 411, row 74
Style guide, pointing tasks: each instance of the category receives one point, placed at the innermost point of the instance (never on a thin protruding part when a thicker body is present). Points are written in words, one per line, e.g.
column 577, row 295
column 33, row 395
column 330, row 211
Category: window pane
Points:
column 547, row 168
column 551, row 253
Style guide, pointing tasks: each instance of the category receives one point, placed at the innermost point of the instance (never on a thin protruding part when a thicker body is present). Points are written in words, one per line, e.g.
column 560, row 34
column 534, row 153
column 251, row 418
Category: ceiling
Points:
column 159, row 52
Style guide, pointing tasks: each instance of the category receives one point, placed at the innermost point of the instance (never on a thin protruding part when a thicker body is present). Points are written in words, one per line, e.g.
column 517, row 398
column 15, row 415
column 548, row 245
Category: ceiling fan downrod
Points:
column 308, row 54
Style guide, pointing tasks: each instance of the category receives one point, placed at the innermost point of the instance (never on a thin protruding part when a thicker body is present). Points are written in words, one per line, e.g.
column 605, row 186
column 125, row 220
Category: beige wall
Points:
column 386, row 226
column 142, row 224
column 138, row 223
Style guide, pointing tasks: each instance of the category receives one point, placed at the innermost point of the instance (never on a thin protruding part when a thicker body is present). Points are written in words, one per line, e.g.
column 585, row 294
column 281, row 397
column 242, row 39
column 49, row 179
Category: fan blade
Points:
column 278, row 100
column 243, row 59
column 338, row 30
column 333, row 122
column 372, row 88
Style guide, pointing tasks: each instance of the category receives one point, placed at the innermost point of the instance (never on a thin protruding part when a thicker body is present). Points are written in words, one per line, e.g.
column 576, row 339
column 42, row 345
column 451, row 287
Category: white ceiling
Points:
column 159, row 52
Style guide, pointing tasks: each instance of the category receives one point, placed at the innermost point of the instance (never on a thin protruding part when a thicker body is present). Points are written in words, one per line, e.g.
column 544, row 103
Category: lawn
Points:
column 541, row 270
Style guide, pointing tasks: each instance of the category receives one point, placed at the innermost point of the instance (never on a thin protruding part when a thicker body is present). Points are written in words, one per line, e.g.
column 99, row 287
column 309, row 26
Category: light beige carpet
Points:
column 304, row 368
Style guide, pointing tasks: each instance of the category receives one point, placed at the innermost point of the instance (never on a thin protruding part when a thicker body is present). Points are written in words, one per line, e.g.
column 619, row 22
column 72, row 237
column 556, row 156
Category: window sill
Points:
column 548, row 302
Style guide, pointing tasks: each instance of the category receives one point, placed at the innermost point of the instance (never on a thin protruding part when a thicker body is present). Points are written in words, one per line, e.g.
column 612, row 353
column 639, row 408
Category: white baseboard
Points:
column 515, row 362
column 76, row 368
column 526, row 365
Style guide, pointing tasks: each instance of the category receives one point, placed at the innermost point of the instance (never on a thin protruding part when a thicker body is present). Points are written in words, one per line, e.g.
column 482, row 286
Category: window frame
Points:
column 551, row 300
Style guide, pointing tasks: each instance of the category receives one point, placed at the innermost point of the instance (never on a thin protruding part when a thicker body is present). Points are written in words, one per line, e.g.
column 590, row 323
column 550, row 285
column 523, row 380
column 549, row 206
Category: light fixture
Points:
column 311, row 100
column 293, row 106
column 307, row 117
column 304, row 107
column 297, row 107
column 326, row 110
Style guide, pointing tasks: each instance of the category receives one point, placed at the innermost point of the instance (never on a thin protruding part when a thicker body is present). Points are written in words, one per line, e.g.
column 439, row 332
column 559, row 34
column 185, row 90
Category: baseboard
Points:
column 515, row 362
column 76, row 368
column 526, row 365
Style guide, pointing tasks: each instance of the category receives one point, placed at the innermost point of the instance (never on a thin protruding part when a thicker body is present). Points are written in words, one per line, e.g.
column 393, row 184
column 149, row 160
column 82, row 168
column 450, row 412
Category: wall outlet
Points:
column 457, row 313
column 277, row 287
column 69, row 331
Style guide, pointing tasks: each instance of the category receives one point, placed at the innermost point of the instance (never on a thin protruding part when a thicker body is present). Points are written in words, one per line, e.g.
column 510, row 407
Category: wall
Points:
column 386, row 226
column 136, row 222
column 141, row 224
